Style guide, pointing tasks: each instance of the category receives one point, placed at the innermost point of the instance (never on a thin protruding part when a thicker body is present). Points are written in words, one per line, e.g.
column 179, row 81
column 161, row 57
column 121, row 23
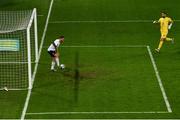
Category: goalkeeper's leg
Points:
column 164, row 35
column 162, row 39
column 170, row 40
column 160, row 44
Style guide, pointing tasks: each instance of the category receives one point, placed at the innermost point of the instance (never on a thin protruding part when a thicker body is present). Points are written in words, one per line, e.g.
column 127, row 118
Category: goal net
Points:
column 18, row 48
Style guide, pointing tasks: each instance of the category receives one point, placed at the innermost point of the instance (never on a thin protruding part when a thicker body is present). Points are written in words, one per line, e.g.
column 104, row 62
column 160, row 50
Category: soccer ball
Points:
column 62, row 66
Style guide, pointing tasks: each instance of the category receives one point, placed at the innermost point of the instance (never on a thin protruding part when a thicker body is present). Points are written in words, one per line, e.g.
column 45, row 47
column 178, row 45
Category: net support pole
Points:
column 36, row 34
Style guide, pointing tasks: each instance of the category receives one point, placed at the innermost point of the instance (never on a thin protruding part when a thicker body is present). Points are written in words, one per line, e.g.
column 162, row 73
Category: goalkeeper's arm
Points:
column 170, row 25
column 155, row 22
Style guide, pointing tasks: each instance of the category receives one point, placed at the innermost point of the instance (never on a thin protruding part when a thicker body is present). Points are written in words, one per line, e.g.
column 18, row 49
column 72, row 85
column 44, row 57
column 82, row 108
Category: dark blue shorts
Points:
column 52, row 53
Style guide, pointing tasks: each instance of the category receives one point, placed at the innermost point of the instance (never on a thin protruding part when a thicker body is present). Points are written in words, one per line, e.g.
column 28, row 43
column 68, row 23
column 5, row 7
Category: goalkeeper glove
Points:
column 169, row 27
column 154, row 21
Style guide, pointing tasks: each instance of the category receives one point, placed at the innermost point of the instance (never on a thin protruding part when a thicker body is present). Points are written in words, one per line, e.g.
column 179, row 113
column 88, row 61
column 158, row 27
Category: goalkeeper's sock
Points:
column 52, row 65
column 160, row 44
column 57, row 61
column 169, row 39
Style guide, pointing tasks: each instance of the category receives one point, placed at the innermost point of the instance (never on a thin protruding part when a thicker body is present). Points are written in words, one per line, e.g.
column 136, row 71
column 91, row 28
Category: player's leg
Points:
column 170, row 40
column 57, row 59
column 160, row 45
column 53, row 64
column 52, row 54
column 162, row 39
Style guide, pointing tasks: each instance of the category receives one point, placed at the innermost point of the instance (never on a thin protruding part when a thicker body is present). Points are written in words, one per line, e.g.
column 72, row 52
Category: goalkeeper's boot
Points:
column 157, row 50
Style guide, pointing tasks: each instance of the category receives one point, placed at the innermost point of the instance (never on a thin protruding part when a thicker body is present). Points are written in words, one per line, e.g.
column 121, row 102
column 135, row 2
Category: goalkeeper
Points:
column 165, row 25
column 53, row 51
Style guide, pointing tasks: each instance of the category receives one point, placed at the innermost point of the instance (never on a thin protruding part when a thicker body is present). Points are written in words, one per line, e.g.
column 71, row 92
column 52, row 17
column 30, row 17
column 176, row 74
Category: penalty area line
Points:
column 148, row 112
column 105, row 21
column 102, row 46
column 106, row 46
column 61, row 113
column 168, row 106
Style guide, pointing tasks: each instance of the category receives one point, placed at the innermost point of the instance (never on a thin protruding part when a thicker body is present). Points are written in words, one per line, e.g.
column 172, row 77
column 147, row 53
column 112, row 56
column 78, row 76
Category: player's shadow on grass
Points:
column 71, row 73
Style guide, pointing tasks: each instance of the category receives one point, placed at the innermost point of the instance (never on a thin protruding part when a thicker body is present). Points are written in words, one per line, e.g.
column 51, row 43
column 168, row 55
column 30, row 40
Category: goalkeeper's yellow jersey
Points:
column 164, row 23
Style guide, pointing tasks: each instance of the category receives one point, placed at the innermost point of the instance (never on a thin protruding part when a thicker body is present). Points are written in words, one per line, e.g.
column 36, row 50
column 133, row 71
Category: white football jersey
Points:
column 54, row 45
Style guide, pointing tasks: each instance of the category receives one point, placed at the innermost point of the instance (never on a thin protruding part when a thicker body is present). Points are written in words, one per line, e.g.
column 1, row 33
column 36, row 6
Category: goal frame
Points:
column 31, row 23
column 33, row 19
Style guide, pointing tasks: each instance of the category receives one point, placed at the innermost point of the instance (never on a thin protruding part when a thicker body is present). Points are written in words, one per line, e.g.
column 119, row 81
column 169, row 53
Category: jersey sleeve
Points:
column 57, row 43
column 170, row 20
column 159, row 20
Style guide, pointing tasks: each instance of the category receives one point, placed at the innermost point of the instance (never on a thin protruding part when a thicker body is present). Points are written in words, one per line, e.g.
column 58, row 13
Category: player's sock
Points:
column 52, row 65
column 157, row 50
column 57, row 61
column 169, row 39
column 160, row 44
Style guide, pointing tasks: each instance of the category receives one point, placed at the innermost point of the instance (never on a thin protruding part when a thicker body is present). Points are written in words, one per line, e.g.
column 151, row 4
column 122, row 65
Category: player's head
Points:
column 61, row 38
column 163, row 14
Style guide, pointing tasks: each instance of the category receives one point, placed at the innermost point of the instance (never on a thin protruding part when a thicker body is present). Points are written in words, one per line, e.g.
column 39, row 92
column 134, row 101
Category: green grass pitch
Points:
column 117, row 79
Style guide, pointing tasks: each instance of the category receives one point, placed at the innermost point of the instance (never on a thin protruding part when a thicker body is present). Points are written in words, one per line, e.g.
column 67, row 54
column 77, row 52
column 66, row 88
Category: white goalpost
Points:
column 18, row 48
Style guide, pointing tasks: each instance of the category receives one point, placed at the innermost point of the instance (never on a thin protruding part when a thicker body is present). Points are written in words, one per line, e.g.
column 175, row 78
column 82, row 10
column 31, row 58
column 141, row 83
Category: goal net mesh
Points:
column 13, row 48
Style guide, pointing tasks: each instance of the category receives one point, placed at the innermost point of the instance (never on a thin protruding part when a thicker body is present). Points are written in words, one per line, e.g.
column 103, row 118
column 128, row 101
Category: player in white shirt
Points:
column 53, row 51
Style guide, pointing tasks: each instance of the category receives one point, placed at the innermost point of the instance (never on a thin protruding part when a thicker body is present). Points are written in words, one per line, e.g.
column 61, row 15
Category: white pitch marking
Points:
column 105, row 46
column 105, row 21
column 150, row 112
column 56, row 113
column 15, row 62
column 101, row 21
column 101, row 46
column 159, row 81
column 36, row 66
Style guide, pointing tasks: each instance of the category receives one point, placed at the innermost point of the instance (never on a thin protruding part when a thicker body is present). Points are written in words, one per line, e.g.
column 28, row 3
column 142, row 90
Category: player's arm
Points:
column 57, row 52
column 56, row 49
column 170, row 23
column 155, row 22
